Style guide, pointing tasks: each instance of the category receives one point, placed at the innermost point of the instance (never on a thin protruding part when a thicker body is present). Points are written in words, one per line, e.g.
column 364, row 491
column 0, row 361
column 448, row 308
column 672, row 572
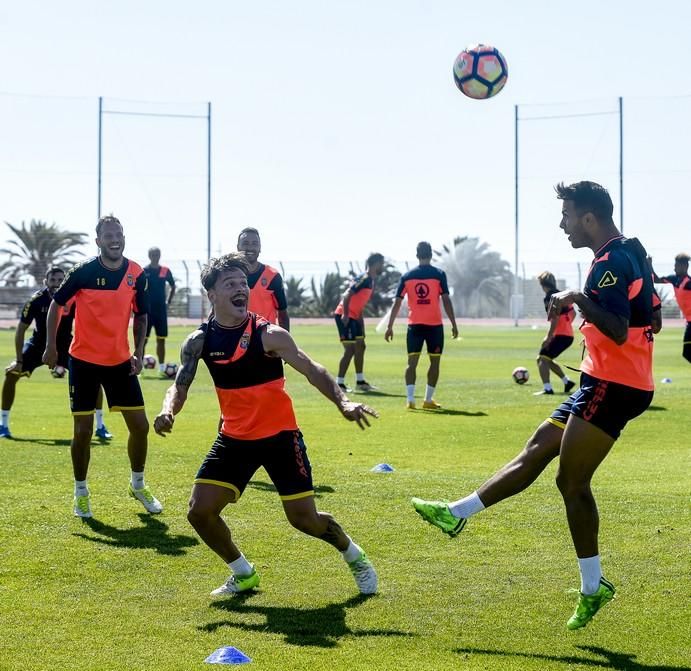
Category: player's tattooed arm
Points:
column 190, row 353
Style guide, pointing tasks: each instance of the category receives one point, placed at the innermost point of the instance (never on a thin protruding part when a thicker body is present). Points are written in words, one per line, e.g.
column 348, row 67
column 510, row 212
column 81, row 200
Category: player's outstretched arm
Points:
column 176, row 395
column 279, row 342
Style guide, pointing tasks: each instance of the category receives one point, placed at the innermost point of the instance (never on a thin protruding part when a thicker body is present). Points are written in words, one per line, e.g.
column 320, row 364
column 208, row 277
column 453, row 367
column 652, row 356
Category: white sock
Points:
column 410, row 392
column 99, row 418
column 591, row 572
column 162, row 367
column 565, row 379
column 137, row 480
column 359, row 377
column 467, row 507
column 548, row 386
column 240, row 566
column 340, row 380
column 80, row 488
column 352, row 552
column 429, row 393
column 5, row 414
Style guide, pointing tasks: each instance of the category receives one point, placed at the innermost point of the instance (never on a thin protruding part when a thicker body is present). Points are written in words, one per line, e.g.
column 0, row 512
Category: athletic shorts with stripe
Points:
column 158, row 320
column 432, row 336
column 231, row 463
column 121, row 388
column 350, row 331
column 32, row 356
column 556, row 346
column 607, row 405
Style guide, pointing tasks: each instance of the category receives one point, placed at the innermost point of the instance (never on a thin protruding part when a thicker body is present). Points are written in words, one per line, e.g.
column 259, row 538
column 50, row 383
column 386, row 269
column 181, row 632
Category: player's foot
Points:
column 438, row 514
column 5, row 432
column 589, row 604
column 364, row 574
column 103, row 434
column 364, row 386
column 544, row 392
column 238, row 583
column 431, row 405
column 82, row 506
column 410, row 405
column 569, row 386
column 344, row 388
column 147, row 499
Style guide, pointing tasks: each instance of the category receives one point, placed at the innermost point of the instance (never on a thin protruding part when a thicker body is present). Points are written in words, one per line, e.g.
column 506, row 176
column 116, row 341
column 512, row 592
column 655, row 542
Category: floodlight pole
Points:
column 100, row 150
column 621, row 164
column 515, row 265
column 208, row 180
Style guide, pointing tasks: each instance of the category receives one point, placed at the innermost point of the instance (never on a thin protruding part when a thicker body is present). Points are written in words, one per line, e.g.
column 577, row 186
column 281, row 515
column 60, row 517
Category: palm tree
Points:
column 39, row 247
column 480, row 280
column 324, row 299
column 295, row 292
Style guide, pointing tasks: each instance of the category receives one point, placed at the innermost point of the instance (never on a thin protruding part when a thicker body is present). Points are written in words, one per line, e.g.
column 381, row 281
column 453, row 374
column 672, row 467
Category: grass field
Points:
column 131, row 591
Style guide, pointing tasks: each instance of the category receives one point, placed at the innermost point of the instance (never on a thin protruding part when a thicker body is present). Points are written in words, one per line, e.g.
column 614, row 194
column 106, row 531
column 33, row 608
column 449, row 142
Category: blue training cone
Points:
column 227, row 655
column 382, row 468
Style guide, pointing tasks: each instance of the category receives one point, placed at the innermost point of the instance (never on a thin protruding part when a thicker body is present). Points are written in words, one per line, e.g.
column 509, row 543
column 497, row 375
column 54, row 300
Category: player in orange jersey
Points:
column 558, row 339
column 106, row 290
column 424, row 285
column 244, row 354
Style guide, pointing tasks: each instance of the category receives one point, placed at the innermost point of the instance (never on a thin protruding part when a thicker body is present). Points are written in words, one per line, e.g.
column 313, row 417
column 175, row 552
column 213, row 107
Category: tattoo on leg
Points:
column 333, row 532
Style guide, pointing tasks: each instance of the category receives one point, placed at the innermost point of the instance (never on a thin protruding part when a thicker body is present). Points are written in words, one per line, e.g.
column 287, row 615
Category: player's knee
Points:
column 305, row 521
column 572, row 486
column 199, row 515
column 687, row 353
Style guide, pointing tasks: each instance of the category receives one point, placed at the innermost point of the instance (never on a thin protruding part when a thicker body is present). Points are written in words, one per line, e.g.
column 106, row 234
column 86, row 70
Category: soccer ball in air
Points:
column 480, row 71
column 520, row 375
column 149, row 362
column 58, row 371
column 170, row 370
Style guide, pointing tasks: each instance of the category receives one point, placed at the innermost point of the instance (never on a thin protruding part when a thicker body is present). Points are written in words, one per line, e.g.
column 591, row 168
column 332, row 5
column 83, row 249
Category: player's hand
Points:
column 50, row 356
column 454, row 331
column 388, row 334
column 135, row 365
column 357, row 412
column 15, row 367
column 561, row 300
column 164, row 423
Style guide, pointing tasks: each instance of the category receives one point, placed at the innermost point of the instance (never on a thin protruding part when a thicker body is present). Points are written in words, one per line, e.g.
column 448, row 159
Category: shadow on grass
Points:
column 655, row 408
column 153, row 535
column 449, row 411
column 362, row 394
column 319, row 627
column 53, row 442
column 618, row 661
column 268, row 487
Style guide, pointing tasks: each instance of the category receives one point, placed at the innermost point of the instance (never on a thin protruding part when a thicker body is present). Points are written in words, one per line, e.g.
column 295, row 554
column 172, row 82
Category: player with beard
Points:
column 244, row 354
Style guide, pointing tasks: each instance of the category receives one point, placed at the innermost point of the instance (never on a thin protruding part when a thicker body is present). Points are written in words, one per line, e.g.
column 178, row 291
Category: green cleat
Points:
column 438, row 514
column 589, row 604
column 238, row 583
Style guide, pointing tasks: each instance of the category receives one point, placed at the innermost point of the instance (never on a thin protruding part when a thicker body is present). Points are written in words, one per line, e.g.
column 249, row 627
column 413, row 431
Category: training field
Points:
column 130, row 591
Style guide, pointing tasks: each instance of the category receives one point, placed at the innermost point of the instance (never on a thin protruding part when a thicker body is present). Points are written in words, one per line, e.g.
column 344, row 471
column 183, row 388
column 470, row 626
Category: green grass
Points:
column 129, row 591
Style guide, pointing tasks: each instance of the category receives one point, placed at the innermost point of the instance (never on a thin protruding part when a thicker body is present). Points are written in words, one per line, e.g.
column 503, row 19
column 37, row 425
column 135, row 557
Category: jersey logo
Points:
column 421, row 290
column 245, row 341
column 264, row 281
column 130, row 280
column 607, row 280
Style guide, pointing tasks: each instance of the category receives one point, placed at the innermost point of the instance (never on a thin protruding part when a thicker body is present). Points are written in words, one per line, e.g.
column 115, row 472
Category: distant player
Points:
column 682, row 292
column 423, row 286
column 267, row 295
column 158, row 276
column 558, row 339
column 106, row 289
column 351, row 325
column 28, row 355
column 245, row 354
column 616, row 386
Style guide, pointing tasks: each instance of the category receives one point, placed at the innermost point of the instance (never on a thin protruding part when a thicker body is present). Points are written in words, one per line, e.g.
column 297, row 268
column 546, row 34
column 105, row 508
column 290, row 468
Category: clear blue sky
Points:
column 337, row 128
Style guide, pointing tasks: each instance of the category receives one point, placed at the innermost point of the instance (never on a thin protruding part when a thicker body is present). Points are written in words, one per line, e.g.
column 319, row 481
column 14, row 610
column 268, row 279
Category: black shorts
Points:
column 231, row 463
column 157, row 320
column 32, row 355
column 556, row 346
column 432, row 336
column 122, row 389
column 354, row 329
column 607, row 405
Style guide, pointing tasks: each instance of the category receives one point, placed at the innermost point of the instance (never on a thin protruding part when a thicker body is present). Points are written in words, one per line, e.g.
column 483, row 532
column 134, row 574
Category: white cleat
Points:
column 147, row 499
column 238, row 583
column 364, row 574
column 82, row 506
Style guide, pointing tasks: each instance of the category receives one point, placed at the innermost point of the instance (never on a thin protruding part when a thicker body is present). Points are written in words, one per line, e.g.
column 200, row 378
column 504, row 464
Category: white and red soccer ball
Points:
column 149, row 362
column 520, row 375
column 480, row 71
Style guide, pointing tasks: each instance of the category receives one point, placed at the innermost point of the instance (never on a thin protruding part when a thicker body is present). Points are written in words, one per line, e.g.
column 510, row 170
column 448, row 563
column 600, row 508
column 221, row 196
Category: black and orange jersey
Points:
column 619, row 281
column 566, row 317
column 36, row 310
column 104, row 302
column 682, row 292
column 360, row 290
column 267, row 295
column 424, row 286
column 157, row 278
column 249, row 383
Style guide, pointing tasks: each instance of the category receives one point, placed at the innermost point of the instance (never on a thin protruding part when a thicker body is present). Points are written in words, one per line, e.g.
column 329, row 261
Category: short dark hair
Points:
column 154, row 249
column 376, row 257
column 424, row 250
column 588, row 197
column 107, row 219
column 52, row 270
column 546, row 279
column 249, row 229
column 214, row 267
column 682, row 258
